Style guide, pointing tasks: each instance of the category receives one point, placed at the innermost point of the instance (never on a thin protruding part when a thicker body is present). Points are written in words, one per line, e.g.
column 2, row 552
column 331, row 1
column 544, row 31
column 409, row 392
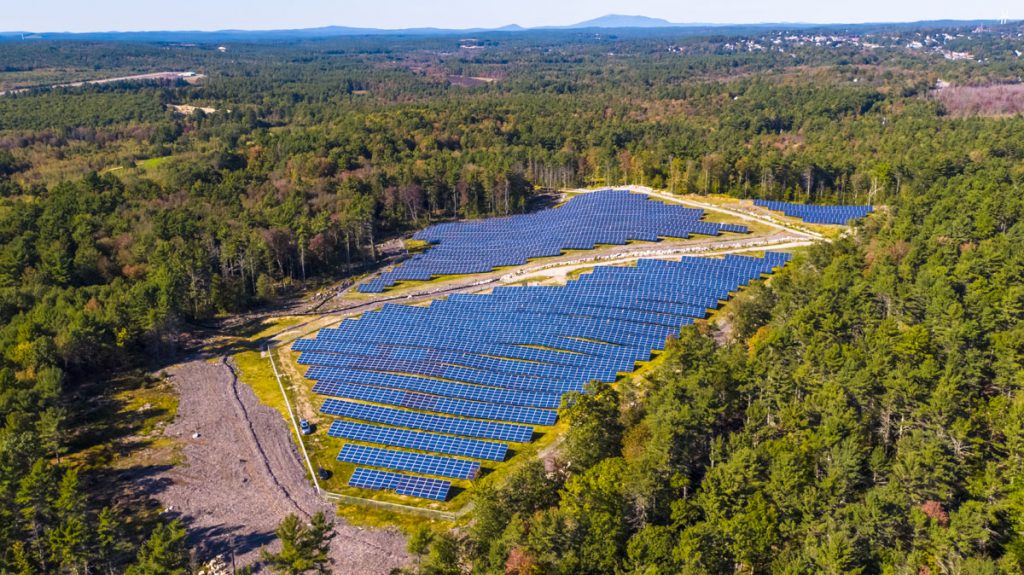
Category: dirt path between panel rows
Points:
column 552, row 267
column 243, row 475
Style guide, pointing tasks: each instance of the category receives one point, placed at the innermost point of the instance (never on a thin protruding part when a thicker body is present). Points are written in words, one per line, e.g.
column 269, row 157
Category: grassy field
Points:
column 122, row 424
column 118, row 435
column 254, row 365
column 150, row 164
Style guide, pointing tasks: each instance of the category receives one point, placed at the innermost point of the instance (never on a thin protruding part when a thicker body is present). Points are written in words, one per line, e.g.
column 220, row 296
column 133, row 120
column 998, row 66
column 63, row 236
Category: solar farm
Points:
column 603, row 217
column 421, row 396
column 828, row 215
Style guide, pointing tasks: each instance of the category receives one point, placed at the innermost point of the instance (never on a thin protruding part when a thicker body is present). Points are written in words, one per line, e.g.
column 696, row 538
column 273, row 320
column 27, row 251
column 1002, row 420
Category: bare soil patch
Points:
column 469, row 81
column 188, row 109
column 243, row 475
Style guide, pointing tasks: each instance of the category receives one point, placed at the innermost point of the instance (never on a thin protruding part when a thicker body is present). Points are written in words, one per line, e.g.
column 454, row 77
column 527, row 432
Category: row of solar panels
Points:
column 458, row 378
column 604, row 217
column 422, row 487
column 813, row 214
column 428, row 422
column 326, row 376
column 619, row 203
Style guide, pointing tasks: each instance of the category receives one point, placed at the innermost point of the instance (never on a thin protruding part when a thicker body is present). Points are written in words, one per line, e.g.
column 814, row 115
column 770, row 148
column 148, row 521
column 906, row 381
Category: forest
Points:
column 864, row 413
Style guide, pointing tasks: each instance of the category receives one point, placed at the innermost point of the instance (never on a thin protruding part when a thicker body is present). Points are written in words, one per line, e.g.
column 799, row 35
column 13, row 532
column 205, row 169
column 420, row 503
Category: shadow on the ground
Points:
column 228, row 541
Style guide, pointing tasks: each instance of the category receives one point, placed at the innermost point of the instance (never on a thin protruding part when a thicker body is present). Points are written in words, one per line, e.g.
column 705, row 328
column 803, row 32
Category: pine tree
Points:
column 108, row 538
column 304, row 548
column 595, row 432
column 35, row 497
column 50, row 431
column 69, row 539
column 164, row 553
column 22, row 560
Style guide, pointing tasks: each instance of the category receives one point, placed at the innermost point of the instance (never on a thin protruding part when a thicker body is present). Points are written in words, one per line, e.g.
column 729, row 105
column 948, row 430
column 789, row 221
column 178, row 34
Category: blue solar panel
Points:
column 421, row 440
column 548, row 400
column 438, row 404
column 422, row 487
column 443, row 377
column 408, row 461
column 427, row 422
column 603, row 217
column 835, row 215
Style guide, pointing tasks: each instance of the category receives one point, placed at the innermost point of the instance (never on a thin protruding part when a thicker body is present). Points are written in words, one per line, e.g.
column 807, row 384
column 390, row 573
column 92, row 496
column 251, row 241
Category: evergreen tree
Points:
column 163, row 553
column 69, row 539
column 595, row 432
column 304, row 548
column 35, row 498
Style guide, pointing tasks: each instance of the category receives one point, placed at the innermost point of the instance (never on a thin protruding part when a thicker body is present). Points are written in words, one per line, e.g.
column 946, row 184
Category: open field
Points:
column 152, row 76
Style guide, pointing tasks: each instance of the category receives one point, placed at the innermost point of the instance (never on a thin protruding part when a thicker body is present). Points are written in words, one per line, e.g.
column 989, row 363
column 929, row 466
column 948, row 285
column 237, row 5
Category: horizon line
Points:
column 512, row 27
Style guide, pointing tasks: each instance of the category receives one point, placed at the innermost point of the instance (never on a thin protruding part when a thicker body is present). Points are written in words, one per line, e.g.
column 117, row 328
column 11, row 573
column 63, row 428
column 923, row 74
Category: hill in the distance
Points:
column 620, row 21
column 611, row 21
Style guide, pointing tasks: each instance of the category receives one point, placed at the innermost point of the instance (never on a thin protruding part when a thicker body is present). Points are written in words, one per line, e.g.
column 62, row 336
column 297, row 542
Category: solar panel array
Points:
column 406, row 461
column 424, row 441
column 604, row 217
column 464, row 376
column 422, row 487
column 428, row 422
column 835, row 215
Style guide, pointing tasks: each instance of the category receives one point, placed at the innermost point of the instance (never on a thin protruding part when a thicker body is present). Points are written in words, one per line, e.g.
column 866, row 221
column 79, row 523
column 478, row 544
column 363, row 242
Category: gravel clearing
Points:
column 243, row 475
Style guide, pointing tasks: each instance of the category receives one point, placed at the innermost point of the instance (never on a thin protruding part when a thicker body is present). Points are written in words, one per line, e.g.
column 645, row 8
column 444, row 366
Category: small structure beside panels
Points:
column 437, row 390
column 602, row 217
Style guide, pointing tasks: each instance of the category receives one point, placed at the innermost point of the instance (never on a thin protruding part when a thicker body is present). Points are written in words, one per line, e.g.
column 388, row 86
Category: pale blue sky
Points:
column 103, row 15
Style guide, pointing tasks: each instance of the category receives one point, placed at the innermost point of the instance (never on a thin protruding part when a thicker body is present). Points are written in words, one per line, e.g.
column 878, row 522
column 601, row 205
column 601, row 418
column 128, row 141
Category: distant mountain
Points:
column 611, row 21
column 620, row 21
column 244, row 35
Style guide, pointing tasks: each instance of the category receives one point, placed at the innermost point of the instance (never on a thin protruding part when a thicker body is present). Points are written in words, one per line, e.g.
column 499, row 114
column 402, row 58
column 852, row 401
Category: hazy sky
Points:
column 102, row 15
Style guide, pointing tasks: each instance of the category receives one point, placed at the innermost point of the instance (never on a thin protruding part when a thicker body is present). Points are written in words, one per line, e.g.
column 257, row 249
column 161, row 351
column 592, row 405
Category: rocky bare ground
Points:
column 243, row 474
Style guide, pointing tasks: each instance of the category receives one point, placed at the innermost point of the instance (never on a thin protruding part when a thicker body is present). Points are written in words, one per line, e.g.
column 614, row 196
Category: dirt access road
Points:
column 243, row 476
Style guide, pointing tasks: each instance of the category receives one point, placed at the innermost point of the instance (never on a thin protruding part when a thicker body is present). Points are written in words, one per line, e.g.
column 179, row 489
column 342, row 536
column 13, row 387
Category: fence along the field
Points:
column 396, row 507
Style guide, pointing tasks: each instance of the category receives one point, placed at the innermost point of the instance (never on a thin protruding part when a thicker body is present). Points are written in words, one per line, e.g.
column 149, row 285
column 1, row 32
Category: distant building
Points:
column 957, row 55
